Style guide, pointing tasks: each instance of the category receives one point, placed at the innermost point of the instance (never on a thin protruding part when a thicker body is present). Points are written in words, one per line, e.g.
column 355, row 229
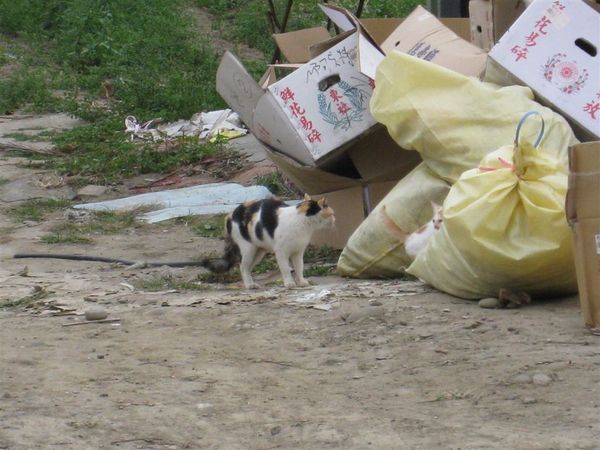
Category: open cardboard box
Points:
column 553, row 48
column 491, row 18
column 583, row 214
column 355, row 162
column 316, row 112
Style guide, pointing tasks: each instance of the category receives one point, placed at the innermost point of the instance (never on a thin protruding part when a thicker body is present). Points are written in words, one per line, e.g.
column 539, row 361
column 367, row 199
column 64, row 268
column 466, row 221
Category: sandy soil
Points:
column 349, row 364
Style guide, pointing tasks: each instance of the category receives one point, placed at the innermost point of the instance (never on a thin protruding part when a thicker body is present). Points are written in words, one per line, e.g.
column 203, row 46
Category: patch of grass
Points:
column 27, row 88
column 320, row 261
column 37, row 209
column 43, row 135
column 99, row 223
column 245, row 21
column 39, row 293
column 66, row 234
column 268, row 264
column 3, row 180
column 101, row 152
column 279, row 185
column 208, row 227
column 168, row 282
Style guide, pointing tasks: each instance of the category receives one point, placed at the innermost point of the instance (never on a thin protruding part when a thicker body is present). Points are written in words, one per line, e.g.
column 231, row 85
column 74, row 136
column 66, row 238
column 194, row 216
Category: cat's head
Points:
column 317, row 209
column 438, row 215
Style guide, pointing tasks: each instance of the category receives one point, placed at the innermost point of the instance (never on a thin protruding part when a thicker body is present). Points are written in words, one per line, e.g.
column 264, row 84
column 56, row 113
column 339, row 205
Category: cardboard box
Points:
column 583, row 214
column 295, row 45
column 357, row 159
column 553, row 48
column 312, row 113
column 317, row 112
column 423, row 35
column 351, row 206
column 489, row 20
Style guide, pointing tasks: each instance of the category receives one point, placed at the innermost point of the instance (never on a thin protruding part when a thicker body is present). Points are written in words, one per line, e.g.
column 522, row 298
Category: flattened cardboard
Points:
column 421, row 34
column 553, row 48
column 295, row 45
column 583, row 214
column 377, row 157
column 380, row 29
column 238, row 88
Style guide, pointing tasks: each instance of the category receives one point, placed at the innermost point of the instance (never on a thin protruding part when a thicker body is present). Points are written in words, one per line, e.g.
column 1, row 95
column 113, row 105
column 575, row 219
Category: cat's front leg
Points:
column 298, row 263
column 283, row 261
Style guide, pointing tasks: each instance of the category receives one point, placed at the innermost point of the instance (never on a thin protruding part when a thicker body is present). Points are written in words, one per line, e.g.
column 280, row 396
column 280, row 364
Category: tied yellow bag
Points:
column 504, row 227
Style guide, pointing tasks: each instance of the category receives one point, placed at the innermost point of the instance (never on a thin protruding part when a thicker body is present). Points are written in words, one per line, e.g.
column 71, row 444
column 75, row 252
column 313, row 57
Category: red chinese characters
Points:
column 289, row 99
column 593, row 107
column 540, row 30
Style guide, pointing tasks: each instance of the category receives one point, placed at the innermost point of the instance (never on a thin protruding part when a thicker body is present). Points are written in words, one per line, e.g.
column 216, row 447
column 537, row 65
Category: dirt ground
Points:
column 348, row 364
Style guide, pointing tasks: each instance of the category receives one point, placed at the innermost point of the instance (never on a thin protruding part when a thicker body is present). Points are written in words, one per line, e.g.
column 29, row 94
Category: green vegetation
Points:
column 208, row 227
column 37, row 209
column 279, row 185
column 39, row 293
column 104, row 60
column 246, row 21
column 99, row 223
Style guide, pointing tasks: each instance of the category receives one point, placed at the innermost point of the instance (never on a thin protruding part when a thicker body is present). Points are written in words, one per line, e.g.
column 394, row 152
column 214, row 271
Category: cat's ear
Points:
column 323, row 202
column 306, row 198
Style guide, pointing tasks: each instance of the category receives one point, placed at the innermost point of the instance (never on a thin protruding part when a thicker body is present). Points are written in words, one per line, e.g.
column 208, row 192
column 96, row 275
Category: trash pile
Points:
column 401, row 112
column 224, row 124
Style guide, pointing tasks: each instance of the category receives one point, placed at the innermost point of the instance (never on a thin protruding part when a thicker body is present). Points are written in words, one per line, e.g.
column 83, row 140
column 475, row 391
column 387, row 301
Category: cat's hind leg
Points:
column 248, row 257
column 283, row 261
column 298, row 264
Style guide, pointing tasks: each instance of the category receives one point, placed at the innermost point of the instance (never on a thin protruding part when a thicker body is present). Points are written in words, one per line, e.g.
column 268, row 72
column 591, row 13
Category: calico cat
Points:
column 416, row 241
column 254, row 229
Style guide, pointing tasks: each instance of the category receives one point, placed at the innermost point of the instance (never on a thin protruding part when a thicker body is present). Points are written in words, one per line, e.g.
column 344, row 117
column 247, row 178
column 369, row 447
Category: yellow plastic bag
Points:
column 504, row 227
column 376, row 248
column 452, row 120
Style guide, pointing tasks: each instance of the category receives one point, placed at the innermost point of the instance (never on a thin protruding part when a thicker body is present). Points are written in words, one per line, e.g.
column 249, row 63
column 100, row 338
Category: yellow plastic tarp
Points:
column 504, row 227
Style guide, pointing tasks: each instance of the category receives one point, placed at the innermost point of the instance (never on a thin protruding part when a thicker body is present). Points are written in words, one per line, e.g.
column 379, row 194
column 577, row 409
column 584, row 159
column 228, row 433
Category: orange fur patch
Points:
column 391, row 227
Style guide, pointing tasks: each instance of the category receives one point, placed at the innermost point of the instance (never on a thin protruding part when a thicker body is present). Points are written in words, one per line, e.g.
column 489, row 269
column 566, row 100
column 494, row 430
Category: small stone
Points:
column 529, row 400
column 91, row 190
column 541, row 379
column 275, row 430
column 489, row 303
column 522, row 378
column 96, row 313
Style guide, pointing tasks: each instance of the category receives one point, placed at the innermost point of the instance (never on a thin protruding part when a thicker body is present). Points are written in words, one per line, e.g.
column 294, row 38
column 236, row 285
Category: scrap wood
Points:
column 168, row 180
column 86, row 322
column 42, row 150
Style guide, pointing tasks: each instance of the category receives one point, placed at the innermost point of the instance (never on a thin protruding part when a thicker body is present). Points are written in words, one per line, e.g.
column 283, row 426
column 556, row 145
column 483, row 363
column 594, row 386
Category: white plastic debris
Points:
column 215, row 198
column 204, row 125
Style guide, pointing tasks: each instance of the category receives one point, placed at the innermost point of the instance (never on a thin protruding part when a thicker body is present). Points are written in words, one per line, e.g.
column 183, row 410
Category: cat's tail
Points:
column 230, row 257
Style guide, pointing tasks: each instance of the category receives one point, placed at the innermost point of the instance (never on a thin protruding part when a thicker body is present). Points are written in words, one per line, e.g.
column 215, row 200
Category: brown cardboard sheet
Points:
column 583, row 214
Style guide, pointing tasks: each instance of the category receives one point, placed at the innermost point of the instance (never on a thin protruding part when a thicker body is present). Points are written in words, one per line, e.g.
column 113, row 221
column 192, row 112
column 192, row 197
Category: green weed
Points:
column 99, row 223
column 279, row 185
column 39, row 293
column 37, row 209
column 168, row 282
column 208, row 227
